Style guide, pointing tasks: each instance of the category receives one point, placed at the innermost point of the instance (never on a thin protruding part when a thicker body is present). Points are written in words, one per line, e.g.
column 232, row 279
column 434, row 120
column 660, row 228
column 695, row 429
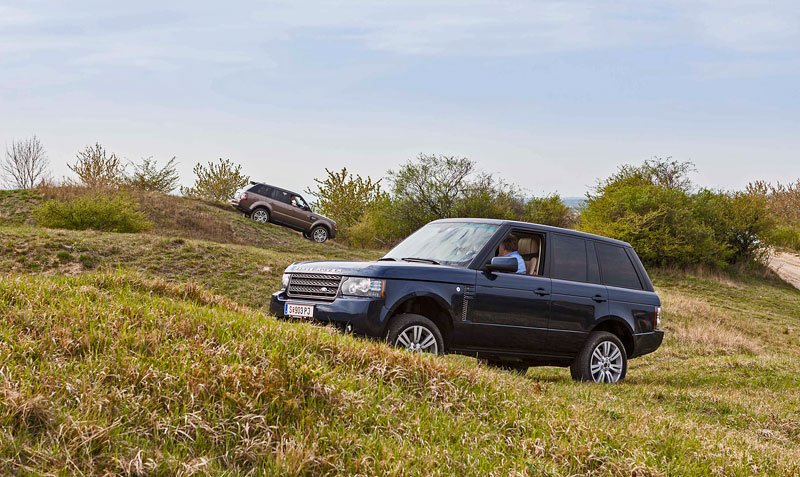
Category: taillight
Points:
column 657, row 318
column 243, row 196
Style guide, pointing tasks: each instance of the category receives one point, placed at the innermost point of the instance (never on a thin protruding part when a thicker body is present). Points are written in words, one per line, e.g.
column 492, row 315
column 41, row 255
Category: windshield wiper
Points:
column 422, row 260
column 387, row 259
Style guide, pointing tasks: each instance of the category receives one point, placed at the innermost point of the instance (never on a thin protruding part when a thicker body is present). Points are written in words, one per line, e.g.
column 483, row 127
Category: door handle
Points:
column 541, row 292
column 599, row 298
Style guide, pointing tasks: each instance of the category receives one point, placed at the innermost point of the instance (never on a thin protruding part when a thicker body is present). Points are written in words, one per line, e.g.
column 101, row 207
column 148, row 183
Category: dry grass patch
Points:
column 704, row 326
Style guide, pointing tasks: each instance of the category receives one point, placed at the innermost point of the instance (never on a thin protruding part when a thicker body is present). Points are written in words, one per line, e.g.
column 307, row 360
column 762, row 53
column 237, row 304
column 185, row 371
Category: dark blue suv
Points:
column 559, row 298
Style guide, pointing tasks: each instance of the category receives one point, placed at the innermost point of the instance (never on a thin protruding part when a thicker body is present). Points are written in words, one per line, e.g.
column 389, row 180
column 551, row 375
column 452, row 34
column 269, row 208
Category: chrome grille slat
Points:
column 315, row 286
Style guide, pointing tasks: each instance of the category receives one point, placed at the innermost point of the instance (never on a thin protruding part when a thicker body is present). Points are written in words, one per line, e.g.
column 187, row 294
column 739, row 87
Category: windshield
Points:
column 446, row 243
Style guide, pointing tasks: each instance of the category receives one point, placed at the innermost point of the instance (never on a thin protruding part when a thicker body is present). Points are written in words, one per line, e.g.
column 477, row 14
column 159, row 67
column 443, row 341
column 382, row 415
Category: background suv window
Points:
column 569, row 258
column 260, row 189
column 616, row 267
column 281, row 196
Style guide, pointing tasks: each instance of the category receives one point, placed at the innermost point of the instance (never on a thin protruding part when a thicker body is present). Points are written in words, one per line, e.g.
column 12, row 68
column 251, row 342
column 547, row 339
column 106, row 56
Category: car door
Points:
column 510, row 312
column 281, row 206
column 578, row 297
column 299, row 213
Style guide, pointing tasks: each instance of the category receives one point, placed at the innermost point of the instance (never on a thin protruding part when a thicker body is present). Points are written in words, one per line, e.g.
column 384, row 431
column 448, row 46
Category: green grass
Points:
column 119, row 373
column 150, row 354
column 16, row 206
column 244, row 273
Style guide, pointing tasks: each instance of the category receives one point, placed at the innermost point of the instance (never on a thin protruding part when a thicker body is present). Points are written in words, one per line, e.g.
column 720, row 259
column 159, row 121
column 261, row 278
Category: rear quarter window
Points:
column 260, row 189
column 569, row 258
column 616, row 267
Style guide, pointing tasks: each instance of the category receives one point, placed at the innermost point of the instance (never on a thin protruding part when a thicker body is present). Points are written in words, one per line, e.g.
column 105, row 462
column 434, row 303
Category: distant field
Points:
column 150, row 354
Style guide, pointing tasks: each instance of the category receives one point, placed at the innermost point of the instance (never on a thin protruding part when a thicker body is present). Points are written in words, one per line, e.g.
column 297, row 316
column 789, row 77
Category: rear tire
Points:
column 260, row 215
column 415, row 333
column 602, row 360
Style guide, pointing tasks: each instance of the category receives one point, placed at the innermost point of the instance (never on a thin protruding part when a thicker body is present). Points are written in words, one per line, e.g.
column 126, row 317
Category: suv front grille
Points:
column 316, row 286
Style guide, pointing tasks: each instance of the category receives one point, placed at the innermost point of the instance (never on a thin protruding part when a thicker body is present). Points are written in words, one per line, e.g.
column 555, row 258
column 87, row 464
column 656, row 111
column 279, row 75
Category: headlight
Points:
column 368, row 287
column 285, row 281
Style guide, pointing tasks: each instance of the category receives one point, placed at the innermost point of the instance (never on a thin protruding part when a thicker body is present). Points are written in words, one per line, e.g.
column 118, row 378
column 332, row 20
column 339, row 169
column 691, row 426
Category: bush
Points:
column 216, row 182
column 94, row 211
column 345, row 197
column 652, row 207
column 379, row 226
column 550, row 210
column 98, row 170
column 148, row 177
column 658, row 222
column 786, row 236
column 741, row 223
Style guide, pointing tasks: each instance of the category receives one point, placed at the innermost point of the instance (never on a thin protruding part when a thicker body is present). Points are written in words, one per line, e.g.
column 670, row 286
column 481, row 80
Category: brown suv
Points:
column 265, row 203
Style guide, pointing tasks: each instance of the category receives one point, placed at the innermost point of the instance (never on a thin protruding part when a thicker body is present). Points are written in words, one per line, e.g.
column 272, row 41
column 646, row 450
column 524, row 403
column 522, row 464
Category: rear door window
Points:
column 616, row 267
column 569, row 258
column 281, row 196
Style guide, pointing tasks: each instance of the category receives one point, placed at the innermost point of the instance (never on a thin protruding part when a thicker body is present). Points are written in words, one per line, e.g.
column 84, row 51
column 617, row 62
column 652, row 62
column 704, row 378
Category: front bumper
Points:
column 366, row 316
column 645, row 343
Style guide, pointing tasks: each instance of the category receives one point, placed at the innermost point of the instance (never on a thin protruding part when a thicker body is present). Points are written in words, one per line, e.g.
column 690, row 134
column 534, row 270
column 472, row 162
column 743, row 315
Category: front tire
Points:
column 319, row 234
column 260, row 215
column 603, row 359
column 415, row 333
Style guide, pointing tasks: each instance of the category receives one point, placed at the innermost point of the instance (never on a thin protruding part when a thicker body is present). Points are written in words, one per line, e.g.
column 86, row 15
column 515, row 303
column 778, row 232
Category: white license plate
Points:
column 298, row 311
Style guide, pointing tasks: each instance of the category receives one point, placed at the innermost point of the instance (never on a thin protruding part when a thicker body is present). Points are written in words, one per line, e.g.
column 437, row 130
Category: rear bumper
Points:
column 366, row 316
column 645, row 343
column 235, row 205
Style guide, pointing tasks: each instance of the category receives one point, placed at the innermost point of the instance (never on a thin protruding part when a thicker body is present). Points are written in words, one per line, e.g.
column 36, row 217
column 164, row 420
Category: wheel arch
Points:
column 619, row 328
column 320, row 223
column 261, row 205
column 431, row 306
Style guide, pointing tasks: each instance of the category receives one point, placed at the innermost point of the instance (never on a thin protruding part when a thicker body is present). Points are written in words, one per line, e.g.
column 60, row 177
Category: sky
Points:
column 548, row 95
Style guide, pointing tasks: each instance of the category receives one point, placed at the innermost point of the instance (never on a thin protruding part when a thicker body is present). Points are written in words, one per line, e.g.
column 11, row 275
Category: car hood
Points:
column 387, row 270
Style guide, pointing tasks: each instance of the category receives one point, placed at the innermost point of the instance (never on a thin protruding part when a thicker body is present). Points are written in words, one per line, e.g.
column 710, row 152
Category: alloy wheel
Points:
column 320, row 235
column 606, row 363
column 418, row 339
column 261, row 216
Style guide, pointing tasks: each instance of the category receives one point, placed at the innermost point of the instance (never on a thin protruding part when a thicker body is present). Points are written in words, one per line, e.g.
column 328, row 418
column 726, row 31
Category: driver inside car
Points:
column 509, row 248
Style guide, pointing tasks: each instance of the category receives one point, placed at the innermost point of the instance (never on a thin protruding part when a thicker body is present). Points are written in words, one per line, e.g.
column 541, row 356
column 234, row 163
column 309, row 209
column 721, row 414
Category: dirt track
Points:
column 786, row 265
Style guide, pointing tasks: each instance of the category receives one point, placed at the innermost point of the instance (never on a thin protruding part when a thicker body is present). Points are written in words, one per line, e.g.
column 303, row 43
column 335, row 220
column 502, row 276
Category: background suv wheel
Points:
column 260, row 215
column 319, row 234
column 603, row 359
column 415, row 333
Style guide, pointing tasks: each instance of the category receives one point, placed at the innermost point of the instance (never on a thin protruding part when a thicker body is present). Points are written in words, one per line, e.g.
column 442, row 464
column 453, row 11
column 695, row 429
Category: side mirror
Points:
column 503, row 265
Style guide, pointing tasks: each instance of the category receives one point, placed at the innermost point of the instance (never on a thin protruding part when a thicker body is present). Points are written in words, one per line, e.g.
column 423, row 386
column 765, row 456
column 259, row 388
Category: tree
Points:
column 216, row 181
column 148, row 177
column 487, row 197
column 550, row 210
column 98, row 170
column 432, row 185
column 660, row 172
column 345, row 197
column 25, row 164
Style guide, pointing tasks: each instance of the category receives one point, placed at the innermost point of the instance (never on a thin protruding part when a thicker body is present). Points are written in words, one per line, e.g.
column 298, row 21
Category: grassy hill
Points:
column 149, row 354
